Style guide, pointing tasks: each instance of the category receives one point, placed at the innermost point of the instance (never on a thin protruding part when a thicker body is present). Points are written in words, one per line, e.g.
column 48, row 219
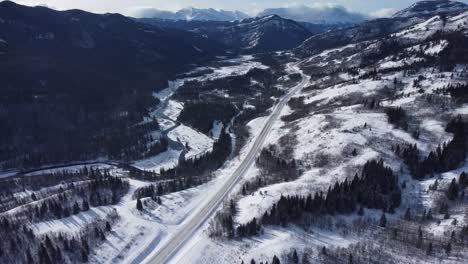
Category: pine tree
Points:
column 407, row 216
column 305, row 259
column 76, row 208
column 350, row 258
column 383, row 220
column 361, row 211
column 29, row 257
column 85, row 205
column 429, row 214
column 84, row 256
column 275, row 260
column 420, row 238
column 463, row 180
column 139, row 205
column 295, row 257
column 429, row 249
column 448, row 248
column 252, row 261
column 108, row 227
column 452, row 192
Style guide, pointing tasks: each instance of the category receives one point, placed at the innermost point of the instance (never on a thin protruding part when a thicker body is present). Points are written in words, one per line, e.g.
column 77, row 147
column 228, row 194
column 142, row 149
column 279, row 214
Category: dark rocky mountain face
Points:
column 431, row 8
column 69, row 76
column 263, row 34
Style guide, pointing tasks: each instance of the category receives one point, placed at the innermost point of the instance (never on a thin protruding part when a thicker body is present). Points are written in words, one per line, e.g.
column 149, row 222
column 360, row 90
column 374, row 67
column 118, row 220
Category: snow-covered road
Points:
column 174, row 243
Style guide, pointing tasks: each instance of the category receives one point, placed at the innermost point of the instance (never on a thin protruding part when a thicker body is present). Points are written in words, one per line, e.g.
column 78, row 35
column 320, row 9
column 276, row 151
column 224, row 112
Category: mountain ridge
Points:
column 316, row 15
column 191, row 13
column 431, row 7
column 250, row 35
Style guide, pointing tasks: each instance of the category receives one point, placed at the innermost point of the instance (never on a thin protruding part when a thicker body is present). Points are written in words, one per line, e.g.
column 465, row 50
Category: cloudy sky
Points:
column 128, row 7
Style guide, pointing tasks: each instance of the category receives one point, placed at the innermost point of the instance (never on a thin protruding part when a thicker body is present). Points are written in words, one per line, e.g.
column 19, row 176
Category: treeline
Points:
column 122, row 139
column 445, row 158
column 206, row 163
column 20, row 244
column 132, row 142
column 101, row 189
column 240, row 85
column 377, row 188
column 273, row 170
column 201, row 115
column 41, row 186
column 397, row 117
column 456, row 188
column 296, row 103
column 154, row 191
column 459, row 92
column 188, row 173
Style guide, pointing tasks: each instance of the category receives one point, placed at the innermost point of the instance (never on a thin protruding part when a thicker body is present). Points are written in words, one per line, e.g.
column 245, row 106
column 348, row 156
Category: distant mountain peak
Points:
column 323, row 14
column 192, row 13
column 431, row 7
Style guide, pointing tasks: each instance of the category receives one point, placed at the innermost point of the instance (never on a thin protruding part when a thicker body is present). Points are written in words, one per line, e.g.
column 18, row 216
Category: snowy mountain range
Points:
column 301, row 13
column 192, row 13
column 431, row 7
column 316, row 15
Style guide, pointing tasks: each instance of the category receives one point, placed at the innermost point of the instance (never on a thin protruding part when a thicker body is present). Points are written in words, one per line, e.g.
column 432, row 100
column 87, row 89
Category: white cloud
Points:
column 386, row 12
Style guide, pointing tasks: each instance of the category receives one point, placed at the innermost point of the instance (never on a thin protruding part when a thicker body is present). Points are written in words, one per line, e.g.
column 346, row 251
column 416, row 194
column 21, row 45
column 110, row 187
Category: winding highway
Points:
column 176, row 241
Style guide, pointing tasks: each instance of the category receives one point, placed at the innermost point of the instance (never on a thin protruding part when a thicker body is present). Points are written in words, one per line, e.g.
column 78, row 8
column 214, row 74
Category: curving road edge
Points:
column 175, row 242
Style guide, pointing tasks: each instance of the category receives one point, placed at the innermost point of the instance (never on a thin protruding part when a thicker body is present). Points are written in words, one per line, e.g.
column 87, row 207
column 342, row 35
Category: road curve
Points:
column 174, row 243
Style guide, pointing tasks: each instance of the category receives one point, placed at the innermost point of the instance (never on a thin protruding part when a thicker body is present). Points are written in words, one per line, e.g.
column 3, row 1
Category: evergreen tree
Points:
column 275, row 260
column 429, row 249
column 108, row 227
column 84, row 256
column 76, row 208
column 29, row 257
column 85, row 205
column 139, row 205
column 295, row 257
column 420, row 238
column 463, row 180
column 448, row 248
column 407, row 215
column 383, row 220
column 361, row 211
column 452, row 192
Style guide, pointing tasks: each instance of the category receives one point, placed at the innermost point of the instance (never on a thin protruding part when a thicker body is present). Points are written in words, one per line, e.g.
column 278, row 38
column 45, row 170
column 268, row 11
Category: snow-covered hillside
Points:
column 431, row 7
column 342, row 123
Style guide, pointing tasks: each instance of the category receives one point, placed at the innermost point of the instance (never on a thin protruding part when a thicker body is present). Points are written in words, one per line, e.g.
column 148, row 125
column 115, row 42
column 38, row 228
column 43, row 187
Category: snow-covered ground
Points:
column 169, row 110
column 327, row 137
column 196, row 142
column 166, row 160
column 137, row 235
column 216, row 130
